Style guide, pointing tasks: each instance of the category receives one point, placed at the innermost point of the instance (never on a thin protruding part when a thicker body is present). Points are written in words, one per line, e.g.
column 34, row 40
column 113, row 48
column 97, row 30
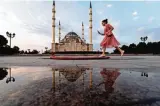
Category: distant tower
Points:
column 53, row 26
column 82, row 31
column 90, row 23
column 59, row 31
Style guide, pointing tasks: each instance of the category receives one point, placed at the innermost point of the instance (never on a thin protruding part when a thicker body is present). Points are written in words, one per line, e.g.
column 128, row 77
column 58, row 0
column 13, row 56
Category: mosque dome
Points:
column 72, row 74
column 72, row 34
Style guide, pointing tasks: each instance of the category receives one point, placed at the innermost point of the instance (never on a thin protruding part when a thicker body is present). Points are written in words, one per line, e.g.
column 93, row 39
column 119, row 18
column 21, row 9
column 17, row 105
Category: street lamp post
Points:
column 144, row 38
column 10, row 35
column 10, row 79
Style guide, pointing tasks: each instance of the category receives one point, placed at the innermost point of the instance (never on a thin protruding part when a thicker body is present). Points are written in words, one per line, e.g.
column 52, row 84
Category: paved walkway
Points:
column 115, row 62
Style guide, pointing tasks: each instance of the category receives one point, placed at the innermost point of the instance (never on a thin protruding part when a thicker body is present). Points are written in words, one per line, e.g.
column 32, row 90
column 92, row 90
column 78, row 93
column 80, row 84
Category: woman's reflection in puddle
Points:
column 109, row 76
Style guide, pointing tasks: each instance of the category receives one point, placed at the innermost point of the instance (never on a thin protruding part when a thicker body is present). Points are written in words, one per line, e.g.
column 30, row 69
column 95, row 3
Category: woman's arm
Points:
column 100, row 33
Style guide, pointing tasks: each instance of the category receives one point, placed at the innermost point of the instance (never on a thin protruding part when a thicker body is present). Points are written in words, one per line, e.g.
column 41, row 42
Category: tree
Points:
column 132, row 48
column 47, row 51
column 21, row 52
column 150, row 47
column 141, row 48
column 25, row 52
column 115, row 51
column 34, row 52
column 3, row 41
column 155, row 46
column 5, row 50
column 10, row 35
column 132, row 45
column 46, row 48
column 29, row 51
column 125, row 48
column 16, row 49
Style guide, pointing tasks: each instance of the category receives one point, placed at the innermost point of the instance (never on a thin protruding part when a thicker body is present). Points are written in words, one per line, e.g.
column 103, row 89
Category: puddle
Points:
column 78, row 86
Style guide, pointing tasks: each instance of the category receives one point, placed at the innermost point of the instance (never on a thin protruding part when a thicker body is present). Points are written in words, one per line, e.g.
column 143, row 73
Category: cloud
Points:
column 156, row 30
column 151, row 37
column 109, row 5
column 135, row 13
column 140, row 29
column 116, row 25
column 148, row 1
column 152, row 33
column 100, row 12
column 33, row 23
column 151, row 19
column 29, row 34
column 135, row 18
column 34, row 29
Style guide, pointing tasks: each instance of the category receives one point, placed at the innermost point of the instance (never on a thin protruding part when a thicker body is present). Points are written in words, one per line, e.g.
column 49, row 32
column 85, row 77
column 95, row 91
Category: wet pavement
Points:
column 78, row 86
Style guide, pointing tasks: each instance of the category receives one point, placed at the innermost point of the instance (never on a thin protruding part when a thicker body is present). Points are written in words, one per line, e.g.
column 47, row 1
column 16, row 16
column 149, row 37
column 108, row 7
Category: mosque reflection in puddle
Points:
column 72, row 75
column 88, row 86
column 81, row 85
column 83, row 81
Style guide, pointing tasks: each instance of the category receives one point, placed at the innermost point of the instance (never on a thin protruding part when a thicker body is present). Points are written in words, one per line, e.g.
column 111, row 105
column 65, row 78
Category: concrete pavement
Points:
column 115, row 62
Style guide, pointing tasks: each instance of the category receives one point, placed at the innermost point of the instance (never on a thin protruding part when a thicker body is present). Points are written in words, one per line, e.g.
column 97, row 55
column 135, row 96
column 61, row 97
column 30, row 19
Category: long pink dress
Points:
column 109, row 39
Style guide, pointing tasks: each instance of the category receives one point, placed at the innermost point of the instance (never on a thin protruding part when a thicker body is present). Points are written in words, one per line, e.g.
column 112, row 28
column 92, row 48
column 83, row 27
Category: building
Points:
column 80, row 76
column 71, row 41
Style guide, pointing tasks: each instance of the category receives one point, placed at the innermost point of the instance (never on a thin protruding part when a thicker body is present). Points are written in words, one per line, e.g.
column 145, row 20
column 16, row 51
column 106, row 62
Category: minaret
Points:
column 59, row 31
column 82, row 31
column 53, row 26
column 53, row 22
column 90, row 23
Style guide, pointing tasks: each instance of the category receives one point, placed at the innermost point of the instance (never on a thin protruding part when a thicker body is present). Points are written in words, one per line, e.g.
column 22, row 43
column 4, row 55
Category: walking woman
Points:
column 109, row 40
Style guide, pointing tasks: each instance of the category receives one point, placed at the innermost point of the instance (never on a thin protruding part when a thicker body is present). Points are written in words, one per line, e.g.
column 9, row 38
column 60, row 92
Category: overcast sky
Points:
column 31, row 20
